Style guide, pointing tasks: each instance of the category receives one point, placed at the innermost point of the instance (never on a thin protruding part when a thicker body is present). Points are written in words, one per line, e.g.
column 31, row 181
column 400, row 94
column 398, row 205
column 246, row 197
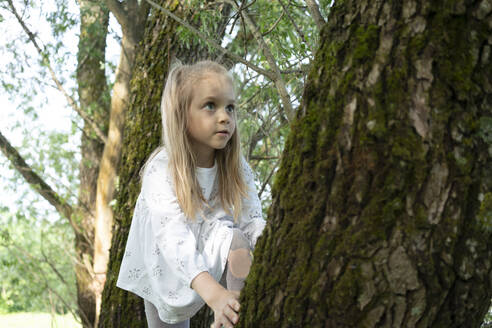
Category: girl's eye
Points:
column 210, row 106
column 230, row 108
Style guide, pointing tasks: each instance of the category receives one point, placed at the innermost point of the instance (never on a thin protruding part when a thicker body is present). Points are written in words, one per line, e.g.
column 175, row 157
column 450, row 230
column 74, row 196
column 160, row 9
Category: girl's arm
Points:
column 223, row 302
column 251, row 221
column 175, row 239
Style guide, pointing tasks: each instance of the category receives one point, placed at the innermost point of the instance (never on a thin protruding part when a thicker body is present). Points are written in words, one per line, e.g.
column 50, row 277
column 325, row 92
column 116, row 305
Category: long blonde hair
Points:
column 175, row 106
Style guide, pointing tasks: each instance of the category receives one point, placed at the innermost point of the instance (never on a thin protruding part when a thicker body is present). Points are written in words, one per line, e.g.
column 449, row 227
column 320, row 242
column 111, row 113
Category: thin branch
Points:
column 260, row 134
column 60, row 87
column 53, row 268
column 277, row 78
column 261, row 158
column 36, row 260
column 267, row 179
column 293, row 71
column 51, row 265
column 36, row 181
column 233, row 23
column 245, row 82
column 243, row 6
column 64, row 301
column 244, row 103
column 301, row 34
column 315, row 13
column 257, row 136
column 269, row 74
column 274, row 25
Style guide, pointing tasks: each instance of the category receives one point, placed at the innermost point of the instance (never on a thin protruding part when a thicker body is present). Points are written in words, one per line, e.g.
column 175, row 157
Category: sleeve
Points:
column 251, row 221
column 175, row 238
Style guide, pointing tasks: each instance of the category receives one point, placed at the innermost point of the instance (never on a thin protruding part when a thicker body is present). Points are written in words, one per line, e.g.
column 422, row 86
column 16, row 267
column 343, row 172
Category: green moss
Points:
column 456, row 66
column 366, row 38
column 376, row 122
column 420, row 219
column 346, row 290
column 485, row 213
column 396, row 88
column 417, row 44
column 406, row 145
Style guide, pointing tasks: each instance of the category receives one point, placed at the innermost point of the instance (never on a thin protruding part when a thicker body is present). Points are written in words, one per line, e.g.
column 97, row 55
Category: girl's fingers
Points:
column 231, row 315
column 223, row 322
column 234, row 304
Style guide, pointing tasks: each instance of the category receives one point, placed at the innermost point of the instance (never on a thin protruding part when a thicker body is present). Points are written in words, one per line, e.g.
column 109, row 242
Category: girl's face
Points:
column 212, row 117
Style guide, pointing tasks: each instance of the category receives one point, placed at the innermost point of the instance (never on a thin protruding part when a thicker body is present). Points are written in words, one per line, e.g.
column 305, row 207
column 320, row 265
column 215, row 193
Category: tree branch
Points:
column 143, row 12
column 257, row 136
column 269, row 74
column 46, row 62
column 277, row 78
column 51, row 265
column 315, row 13
column 267, row 179
column 301, row 34
column 261, row 158
column 274, row 25
column 36, row 181
column 118, row 11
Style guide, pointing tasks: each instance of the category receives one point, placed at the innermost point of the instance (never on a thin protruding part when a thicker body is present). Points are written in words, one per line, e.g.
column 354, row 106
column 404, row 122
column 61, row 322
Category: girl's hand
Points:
column 223, row 302
column 225, row 307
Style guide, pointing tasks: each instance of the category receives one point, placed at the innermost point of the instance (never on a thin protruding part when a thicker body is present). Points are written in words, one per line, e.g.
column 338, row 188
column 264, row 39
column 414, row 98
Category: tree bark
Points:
column 381, row 206
column 93, row 96
column 142, row 133
column 132, row 27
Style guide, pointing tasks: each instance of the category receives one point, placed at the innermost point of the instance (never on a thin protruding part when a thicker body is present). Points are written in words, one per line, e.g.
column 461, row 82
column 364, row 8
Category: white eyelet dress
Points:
column 165, row 251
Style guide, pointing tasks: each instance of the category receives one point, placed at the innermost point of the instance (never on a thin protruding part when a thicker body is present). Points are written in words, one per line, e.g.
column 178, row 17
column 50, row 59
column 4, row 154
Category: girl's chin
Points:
column 220, row 147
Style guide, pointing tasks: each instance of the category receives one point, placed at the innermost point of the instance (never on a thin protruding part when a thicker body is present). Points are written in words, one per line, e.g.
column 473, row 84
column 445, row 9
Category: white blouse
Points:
column 165, row 251
column 206, row 177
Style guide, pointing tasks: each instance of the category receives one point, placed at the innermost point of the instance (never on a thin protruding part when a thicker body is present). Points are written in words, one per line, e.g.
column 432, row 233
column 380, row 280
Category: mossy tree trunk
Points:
column 142, row 134
column 93, row 95
column 381, row 213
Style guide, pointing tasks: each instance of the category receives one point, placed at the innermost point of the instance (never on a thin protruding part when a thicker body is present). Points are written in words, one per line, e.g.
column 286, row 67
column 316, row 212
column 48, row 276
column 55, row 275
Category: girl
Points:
column 198, row 216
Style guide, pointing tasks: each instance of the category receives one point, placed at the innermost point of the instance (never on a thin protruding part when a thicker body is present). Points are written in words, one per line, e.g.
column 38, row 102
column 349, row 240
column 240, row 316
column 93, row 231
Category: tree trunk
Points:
column 382, row 205
column 93, row 95
column 106, row 181
column 142, row 134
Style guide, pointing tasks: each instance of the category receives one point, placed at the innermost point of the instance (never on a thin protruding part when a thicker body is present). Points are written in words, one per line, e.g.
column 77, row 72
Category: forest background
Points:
column 48, row 121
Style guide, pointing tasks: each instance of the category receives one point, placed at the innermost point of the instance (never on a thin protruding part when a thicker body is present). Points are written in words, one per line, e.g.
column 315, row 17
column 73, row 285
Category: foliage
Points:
column 38, row 320
column 36, row 265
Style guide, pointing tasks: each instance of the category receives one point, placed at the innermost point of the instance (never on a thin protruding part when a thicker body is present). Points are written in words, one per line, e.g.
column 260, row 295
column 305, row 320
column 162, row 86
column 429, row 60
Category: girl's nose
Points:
column 224, row 116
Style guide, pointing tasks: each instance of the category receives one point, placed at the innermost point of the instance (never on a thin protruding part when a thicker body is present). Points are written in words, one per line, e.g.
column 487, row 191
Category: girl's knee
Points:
column 239, row 240
column 239, row 260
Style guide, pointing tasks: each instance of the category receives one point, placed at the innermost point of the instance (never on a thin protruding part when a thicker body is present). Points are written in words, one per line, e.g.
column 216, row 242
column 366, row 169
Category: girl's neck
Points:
column 206, row 162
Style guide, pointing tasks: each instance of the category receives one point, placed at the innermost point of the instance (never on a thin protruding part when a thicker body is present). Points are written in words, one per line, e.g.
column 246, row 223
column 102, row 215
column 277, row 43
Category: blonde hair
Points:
column 175, row 105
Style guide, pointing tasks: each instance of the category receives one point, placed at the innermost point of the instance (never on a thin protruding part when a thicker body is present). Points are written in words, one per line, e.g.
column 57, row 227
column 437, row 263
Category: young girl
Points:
column 198, row 215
